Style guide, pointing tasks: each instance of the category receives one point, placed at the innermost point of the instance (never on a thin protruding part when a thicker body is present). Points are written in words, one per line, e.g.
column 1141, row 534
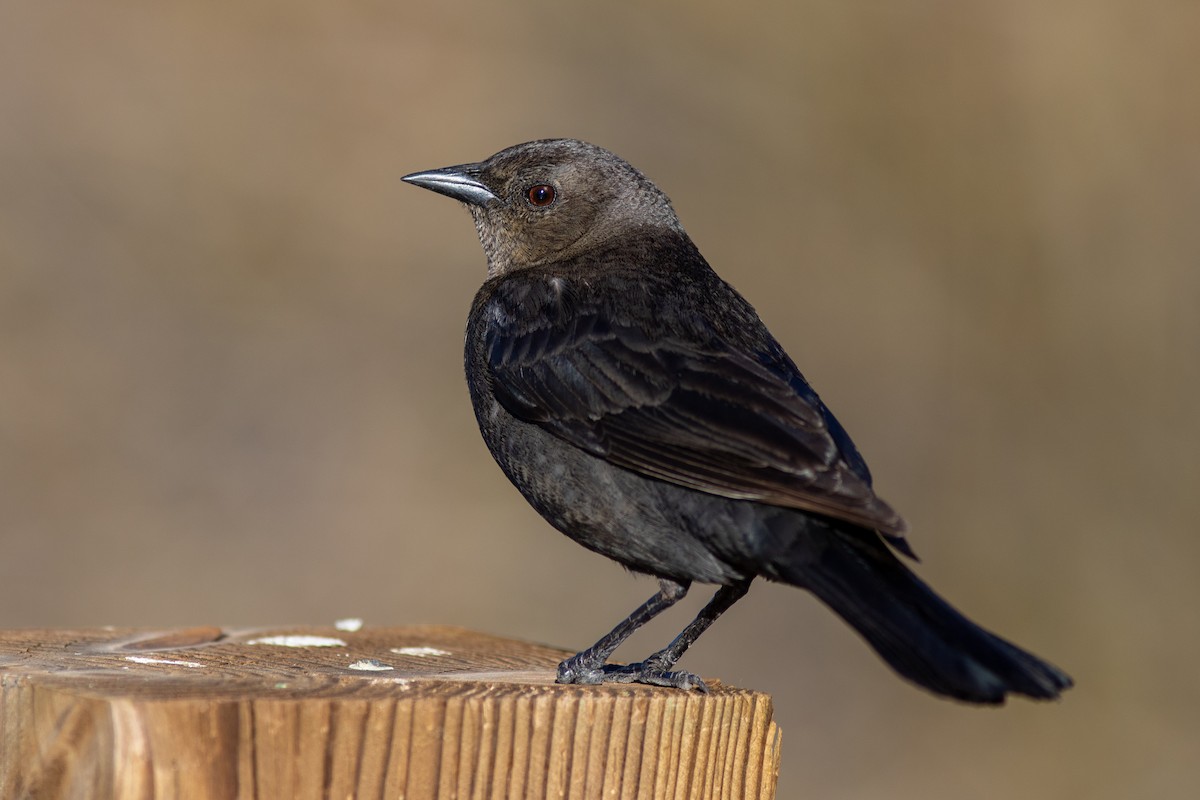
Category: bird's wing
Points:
column 708, row 417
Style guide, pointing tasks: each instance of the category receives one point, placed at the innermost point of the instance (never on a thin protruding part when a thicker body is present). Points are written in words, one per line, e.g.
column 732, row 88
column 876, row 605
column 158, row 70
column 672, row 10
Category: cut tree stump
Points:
column 413, row 712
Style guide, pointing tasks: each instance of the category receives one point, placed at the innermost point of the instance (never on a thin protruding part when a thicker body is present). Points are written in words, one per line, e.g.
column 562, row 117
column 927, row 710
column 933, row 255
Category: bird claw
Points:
column 579, row 669
column 648, row 673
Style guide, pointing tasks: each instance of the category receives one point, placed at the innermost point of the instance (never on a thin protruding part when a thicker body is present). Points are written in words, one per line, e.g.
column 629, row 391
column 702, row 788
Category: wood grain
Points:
column 414, row 712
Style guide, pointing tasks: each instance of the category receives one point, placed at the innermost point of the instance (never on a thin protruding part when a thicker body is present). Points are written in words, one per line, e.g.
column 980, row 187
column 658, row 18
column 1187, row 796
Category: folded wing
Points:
column 698, row 414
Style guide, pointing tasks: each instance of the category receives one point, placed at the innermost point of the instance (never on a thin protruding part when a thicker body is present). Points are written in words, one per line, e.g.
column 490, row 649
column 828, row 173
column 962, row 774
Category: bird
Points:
column 639, row 404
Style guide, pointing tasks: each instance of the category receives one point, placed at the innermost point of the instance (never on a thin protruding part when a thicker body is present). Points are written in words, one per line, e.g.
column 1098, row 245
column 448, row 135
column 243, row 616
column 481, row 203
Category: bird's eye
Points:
column 541, row 195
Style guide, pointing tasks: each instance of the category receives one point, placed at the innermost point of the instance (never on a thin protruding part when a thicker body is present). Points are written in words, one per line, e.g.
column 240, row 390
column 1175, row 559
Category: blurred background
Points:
column 230, row 337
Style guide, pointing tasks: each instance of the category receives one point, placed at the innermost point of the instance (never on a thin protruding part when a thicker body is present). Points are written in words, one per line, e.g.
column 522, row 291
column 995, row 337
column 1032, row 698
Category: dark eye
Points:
column 541, row 195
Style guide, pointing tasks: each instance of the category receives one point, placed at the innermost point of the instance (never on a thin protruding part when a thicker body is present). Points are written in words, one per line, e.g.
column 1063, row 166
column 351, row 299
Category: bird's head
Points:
column 549, row 200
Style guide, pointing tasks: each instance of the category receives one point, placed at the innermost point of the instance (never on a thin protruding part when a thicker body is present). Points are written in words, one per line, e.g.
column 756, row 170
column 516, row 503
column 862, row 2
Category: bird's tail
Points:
column 915, row 631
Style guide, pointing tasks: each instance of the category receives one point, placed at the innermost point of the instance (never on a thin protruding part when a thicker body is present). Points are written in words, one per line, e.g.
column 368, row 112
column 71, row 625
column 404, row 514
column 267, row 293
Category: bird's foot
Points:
column 583, row 668
column 650, row 673
column 588, row 669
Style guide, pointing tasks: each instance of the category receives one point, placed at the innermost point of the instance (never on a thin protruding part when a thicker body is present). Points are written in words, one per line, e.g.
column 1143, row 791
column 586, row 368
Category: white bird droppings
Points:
column 164, row 661
column 371, row 665
column 420, row 652
column 299, row 640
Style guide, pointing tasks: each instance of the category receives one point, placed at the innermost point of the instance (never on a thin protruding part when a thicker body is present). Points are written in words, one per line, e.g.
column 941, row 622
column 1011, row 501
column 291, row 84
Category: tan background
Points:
column 230, row 338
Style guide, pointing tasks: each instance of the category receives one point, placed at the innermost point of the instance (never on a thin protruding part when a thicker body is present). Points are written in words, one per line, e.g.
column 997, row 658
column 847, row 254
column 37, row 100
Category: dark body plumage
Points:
column 640, row 405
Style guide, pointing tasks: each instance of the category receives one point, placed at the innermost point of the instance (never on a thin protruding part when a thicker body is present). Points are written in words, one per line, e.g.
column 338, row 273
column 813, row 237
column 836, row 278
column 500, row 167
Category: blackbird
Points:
column 640, row 405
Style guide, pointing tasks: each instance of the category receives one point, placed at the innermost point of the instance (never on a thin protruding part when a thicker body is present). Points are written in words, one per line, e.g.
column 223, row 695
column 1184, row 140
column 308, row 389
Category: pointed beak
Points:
column 461, row 183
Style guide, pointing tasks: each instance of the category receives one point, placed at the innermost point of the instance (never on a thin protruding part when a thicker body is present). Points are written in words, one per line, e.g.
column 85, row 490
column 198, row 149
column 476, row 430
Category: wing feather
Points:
column 705, row 415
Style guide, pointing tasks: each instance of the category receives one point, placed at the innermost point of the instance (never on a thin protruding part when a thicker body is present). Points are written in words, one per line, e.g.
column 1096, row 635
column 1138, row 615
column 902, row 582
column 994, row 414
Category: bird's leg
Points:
column 656, row 669
column 588, row 666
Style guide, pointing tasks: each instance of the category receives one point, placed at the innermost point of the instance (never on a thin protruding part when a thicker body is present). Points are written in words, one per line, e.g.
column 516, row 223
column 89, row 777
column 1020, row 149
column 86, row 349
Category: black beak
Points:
column 461, row 183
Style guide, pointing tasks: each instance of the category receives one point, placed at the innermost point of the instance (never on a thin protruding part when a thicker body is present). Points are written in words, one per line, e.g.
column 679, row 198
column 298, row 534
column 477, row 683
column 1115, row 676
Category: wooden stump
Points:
column 414, row 712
